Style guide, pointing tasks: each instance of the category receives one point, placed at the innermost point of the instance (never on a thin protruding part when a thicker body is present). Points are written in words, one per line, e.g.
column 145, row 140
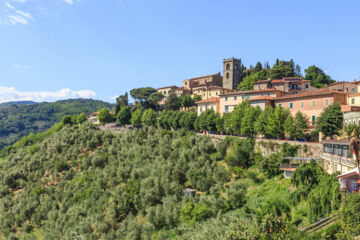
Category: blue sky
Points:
column 58, row 49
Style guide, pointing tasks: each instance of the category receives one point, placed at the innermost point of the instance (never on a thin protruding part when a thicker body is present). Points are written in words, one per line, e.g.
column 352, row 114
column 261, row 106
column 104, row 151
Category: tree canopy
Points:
column 330, row 120
column 317, row 76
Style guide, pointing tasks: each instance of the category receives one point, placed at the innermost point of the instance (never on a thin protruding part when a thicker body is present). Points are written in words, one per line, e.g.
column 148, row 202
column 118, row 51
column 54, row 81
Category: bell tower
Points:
column 231, row 73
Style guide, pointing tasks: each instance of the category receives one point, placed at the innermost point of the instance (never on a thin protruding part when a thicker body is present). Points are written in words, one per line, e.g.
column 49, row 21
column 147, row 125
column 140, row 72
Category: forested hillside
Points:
column 6, row 104
column 83, row 183
column 17, row 121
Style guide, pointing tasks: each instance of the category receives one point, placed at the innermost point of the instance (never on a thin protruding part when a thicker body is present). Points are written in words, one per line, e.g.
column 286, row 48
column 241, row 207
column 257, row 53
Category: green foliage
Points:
column 330, row 120
column 124, row 115
column 172, row 102
column 317, row 76
column 142, row 94
column 248, row 121
column 136, row 118
column 270, row 165
column 121, row 101
column 296, row 127
column 248, row 82
column 206, row 121
column 240, row 152
column 17, row 121
column 237, row 116
column 187, row 101
column 349, row 219
column 104, row 116
column 155, row 98
column 149, row 117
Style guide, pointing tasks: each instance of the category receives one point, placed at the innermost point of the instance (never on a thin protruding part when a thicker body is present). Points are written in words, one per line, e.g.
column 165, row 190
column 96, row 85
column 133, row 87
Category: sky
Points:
column 60, row 49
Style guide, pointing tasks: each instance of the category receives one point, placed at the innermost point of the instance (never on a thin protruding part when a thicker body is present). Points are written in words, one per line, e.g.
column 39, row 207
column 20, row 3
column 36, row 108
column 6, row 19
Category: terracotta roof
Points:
column 172, row 87
column 262, row 98
column 183, row 88
column 213, row 99
column 350, row 108
column 281, row 80
column 211, row 75
column 310, row 94
column 208, row 87
column 352, row 172
column 253, row 91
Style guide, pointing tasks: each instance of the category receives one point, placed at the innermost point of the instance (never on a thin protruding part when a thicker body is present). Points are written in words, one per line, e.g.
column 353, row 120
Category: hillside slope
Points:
column 6, row 104
column 83, row 183
column 17, row 121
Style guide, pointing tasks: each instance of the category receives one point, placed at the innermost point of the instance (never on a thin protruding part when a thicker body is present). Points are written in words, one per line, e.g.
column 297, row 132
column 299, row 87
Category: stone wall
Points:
column 268, row 146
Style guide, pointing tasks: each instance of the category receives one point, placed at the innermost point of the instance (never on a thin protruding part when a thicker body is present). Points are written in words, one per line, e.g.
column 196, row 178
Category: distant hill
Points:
column 20, row 119
column 6, row 104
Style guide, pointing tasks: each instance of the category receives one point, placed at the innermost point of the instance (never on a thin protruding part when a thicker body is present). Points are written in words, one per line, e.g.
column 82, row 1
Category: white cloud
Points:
column 21, row 66
column 19, row 1
column 8, row 94
column 17, row 16
column 71, row 2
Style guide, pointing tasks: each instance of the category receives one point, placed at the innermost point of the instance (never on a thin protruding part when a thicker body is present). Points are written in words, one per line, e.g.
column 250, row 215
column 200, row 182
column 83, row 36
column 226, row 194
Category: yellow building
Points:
column 207, row 92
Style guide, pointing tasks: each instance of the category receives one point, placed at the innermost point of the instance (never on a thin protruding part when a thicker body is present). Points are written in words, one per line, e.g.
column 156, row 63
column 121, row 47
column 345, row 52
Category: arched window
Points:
column 227, row 75
column 228, row 66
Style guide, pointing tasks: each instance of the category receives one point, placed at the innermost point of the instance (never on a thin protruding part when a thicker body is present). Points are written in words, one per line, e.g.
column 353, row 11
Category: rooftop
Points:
column 252, row 91
column 213, row 99
column 172, row 87
column 262, row 98
column 211, row 75
column 285, row 79
column 310, row 94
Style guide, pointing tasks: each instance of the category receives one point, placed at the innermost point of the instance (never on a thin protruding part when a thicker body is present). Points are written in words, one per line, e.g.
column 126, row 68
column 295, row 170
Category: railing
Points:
column 338, row 159
column 289, row 165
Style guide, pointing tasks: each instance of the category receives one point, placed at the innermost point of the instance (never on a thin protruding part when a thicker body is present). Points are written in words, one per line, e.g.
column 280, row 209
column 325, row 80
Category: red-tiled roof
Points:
column 253, row 91
column 183, row 88
column 213, row 99
column 262, row 98
column 211, row 75
column 172, row 87
column 281, row 80
column 311, row 93
column 262, row 81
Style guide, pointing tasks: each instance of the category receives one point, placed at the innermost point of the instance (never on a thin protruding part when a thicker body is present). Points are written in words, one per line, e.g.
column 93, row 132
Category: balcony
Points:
column 339, row 160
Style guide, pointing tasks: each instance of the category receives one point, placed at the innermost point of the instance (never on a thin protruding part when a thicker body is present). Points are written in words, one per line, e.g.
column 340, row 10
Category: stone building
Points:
column 208, row 80
column 291, row 85
column 231, row 73
column 207, row 92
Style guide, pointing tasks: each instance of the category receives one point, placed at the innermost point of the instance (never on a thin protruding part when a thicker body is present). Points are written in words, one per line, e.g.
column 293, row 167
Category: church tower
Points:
column 231, row 73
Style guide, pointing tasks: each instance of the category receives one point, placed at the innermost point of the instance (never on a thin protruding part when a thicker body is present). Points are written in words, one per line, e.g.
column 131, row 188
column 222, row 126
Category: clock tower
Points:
column 231, row 73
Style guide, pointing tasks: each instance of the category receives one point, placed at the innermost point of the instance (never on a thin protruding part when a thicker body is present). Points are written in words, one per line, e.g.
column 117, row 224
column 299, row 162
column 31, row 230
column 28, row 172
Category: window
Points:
column 302, row 104
column 226, row 108
column 228, row 66
column 217, row 93
column 235, row 97
column 243, row 97
column 313, row 103
column 313, row 119
column 209, row 94
column 226, row 98
column 353, row 101
column 204, row 94
column 227, row 75
column 164, row 92
column 326, row 102
column 280, row 105
column 291, row 105
column 185, row 83
column 200, row 109
column 306, row 85
column 352, row 90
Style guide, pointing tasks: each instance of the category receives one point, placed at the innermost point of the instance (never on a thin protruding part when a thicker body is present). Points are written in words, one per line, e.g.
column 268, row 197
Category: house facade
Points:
column 311, row 103
column 229, row 101
column 207, row 92
column 209, row 80
column 211, row 103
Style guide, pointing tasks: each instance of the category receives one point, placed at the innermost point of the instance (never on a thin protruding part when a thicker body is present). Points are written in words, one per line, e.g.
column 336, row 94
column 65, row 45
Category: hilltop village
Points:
column 278, row 109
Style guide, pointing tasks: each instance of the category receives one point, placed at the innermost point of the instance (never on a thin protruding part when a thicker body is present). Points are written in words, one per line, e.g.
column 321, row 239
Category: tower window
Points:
column 227, row 75
column 228, row 66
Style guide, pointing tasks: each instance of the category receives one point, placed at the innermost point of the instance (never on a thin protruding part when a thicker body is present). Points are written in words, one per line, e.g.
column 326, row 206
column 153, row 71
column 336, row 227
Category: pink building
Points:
column 311, row 103
column 291, row 85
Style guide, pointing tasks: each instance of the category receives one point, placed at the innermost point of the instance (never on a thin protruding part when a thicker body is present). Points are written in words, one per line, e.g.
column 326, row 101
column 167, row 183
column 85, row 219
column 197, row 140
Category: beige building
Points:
column 213, row 80
column 207, row 92
column 345, row 87
column 256, row 97
column 93, row 118
column 211, row 103
column 166, row 92
column 291, row 85
column 351, row 114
